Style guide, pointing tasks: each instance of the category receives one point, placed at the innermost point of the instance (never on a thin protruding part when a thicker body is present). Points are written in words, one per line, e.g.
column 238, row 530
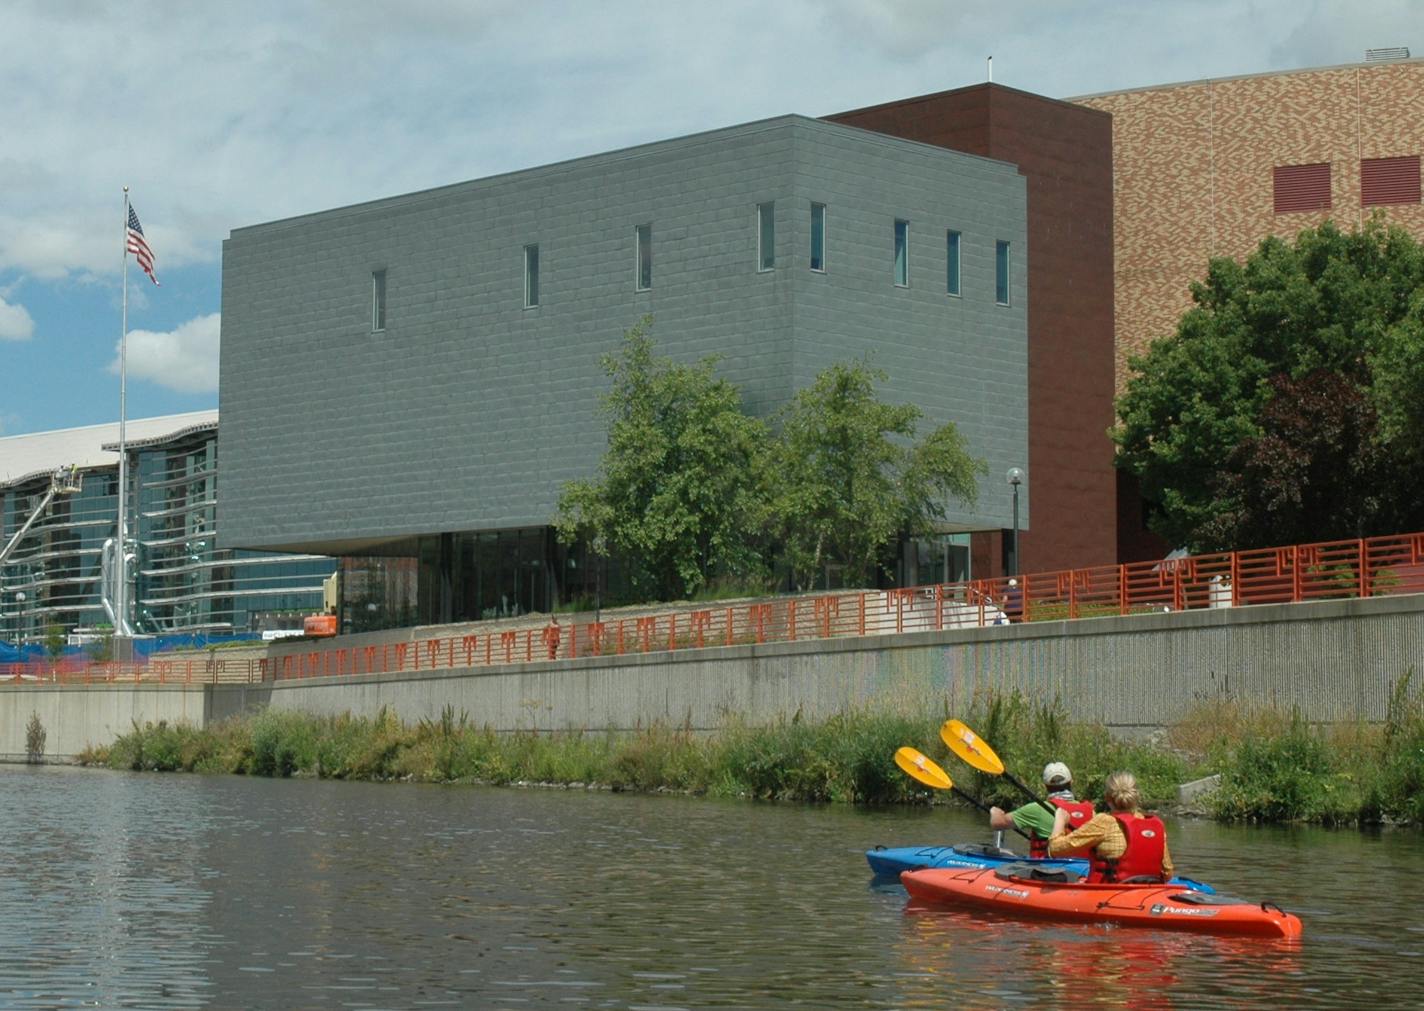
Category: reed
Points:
column 1275, row 767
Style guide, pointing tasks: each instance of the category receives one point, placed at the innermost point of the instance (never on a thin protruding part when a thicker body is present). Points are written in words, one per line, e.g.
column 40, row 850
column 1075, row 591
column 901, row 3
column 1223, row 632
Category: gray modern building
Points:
column 180, row 581
column 418, row 376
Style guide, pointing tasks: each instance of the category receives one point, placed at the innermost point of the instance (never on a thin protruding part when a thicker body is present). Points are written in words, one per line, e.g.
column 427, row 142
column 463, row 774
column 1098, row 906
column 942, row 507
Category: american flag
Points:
column 139, row 246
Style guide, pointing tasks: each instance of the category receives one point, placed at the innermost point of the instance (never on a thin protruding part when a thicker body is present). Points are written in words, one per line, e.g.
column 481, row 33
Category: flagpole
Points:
column 121, row 624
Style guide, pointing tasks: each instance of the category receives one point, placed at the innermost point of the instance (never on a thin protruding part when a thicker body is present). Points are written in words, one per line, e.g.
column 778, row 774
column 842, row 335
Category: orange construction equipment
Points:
column 319, row 625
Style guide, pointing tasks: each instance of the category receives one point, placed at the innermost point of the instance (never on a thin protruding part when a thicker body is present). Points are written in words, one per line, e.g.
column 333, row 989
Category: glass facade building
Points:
column 179, row 580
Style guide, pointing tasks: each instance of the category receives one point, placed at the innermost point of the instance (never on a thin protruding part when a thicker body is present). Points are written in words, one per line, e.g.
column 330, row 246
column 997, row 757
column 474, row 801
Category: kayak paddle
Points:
column 919, row 767
column 975, row 751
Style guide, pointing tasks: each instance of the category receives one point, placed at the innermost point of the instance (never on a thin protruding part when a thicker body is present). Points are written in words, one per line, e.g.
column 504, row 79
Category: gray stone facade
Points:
column 469, row 411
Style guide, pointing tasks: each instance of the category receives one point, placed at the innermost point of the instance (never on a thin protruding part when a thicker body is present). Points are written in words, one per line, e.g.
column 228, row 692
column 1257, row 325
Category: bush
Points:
column 35, row 736
column 283, row 744
column 1290, row 776
column 1401, row 770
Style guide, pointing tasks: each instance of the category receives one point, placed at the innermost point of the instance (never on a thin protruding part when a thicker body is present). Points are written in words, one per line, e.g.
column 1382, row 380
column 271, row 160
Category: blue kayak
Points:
column 888, row 863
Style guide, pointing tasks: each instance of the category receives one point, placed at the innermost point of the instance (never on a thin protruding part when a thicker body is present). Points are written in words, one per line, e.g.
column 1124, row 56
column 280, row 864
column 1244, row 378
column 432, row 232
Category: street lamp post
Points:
column 20, row 615
column 600, row 546
column 1015, row 477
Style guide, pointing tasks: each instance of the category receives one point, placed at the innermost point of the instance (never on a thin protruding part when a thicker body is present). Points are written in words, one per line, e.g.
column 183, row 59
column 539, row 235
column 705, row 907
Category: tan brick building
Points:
column 1209, row 168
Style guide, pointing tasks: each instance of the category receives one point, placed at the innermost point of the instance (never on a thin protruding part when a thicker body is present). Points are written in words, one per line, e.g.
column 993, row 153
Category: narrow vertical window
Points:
column 645, row 257
column 531, row 276
column 818, row 236
column 766, row 236
column 951, row 276
column 1001, row 272
column 902, row 253
column 378, row 301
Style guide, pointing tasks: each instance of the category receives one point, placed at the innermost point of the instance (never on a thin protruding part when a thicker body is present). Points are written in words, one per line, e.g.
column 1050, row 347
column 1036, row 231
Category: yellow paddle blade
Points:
column 917, row 766
column 970, row 748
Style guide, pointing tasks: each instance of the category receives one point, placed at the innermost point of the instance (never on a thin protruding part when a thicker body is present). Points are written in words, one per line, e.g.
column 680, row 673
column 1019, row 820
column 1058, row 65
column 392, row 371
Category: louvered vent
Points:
column 1390, row 53
column 1389, row 181
column 1302, row 188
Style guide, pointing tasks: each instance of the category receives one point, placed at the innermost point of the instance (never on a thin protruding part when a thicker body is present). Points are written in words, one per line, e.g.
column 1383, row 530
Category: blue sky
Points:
column 221, row 116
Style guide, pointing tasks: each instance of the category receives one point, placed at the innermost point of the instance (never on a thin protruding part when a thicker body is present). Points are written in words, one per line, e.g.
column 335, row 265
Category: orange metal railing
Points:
column 1373, row 567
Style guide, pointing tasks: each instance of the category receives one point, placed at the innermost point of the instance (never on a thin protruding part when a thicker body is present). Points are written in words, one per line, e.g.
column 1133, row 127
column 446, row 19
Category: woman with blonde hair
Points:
column 1122, row 845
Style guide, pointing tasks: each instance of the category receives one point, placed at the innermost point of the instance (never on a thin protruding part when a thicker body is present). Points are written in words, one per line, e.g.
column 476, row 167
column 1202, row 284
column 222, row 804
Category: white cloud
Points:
column 184, row 359
column 15, row 322
column 221, row 116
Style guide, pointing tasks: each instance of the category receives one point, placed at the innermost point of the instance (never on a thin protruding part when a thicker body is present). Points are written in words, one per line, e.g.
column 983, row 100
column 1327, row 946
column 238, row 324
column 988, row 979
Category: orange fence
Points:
column 1373, row 567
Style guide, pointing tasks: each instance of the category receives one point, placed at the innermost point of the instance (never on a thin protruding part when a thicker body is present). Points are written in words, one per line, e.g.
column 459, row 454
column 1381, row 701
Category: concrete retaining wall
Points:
column 1334, row 660
column 77, row 716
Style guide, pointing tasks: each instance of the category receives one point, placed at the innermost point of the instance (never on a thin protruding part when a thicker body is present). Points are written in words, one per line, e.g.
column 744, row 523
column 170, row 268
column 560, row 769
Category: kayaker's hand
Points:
column 999, row 819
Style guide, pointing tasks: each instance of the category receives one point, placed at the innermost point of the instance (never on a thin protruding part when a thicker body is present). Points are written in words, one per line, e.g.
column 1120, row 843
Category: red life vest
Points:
column 1080, row 812
column 1146, row 844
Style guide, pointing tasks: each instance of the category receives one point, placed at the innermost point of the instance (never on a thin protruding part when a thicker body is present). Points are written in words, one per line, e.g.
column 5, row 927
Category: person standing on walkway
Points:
column 553, row 632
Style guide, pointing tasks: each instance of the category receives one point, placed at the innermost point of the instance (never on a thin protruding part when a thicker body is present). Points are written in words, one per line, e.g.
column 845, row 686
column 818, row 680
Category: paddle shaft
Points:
column 1029, row 793
column 984, row 807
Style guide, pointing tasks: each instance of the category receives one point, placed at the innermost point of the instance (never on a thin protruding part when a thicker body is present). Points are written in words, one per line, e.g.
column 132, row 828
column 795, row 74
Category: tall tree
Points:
column 1399, row 384
column 1317, row 455
column 1258, row 421
column 678, row 494
column 849, row 480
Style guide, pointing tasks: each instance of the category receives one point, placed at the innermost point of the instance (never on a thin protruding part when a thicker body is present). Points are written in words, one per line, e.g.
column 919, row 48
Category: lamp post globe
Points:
column 1015, row 477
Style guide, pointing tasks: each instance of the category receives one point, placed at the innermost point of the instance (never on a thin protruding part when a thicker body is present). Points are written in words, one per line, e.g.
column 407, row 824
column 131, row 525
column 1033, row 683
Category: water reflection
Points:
column 189, row 892
column 1012, row 960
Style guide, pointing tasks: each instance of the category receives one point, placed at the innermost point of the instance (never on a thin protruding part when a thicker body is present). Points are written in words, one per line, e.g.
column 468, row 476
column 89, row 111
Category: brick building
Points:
column 1210, row 168
column 416, row 376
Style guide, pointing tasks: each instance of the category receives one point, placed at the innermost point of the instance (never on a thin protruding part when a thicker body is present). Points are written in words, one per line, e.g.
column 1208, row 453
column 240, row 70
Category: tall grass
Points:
column 1278, row 767
column 1274, row 766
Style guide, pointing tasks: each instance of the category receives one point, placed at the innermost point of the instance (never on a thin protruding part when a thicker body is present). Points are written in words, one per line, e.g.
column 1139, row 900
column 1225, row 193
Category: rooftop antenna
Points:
column 990, row 62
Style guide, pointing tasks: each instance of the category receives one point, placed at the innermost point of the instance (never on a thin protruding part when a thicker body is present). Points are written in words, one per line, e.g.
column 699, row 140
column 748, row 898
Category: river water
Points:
column 180, row 891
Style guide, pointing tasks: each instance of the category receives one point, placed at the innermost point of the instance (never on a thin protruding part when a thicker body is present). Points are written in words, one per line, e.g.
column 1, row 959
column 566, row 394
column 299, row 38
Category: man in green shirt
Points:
column 1033, row 817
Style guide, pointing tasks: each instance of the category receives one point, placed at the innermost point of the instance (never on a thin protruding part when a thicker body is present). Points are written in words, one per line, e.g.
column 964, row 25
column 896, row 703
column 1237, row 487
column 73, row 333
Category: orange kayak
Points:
column 1020, row 891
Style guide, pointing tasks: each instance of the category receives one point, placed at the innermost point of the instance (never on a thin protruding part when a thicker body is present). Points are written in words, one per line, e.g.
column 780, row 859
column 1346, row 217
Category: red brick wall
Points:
column 1064, row 152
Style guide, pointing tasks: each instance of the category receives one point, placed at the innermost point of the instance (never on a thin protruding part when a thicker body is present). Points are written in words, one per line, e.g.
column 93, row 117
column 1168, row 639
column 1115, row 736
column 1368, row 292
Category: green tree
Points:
column 849, row 478
column 678, row 494
column 55, row 641
column 101, row 650
column 1399, row 383
column 1265, row 418
column 1317, row 455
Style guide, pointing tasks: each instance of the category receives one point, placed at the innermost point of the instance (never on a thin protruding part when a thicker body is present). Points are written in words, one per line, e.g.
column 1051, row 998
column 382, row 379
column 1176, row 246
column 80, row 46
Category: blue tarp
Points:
column 10, row 653
column 191, row 640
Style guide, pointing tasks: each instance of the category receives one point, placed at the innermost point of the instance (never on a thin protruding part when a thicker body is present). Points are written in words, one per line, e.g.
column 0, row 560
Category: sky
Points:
column 218, row 116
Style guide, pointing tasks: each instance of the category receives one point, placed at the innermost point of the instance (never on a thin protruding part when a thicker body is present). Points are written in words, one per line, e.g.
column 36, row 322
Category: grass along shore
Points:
column 1274, row 767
